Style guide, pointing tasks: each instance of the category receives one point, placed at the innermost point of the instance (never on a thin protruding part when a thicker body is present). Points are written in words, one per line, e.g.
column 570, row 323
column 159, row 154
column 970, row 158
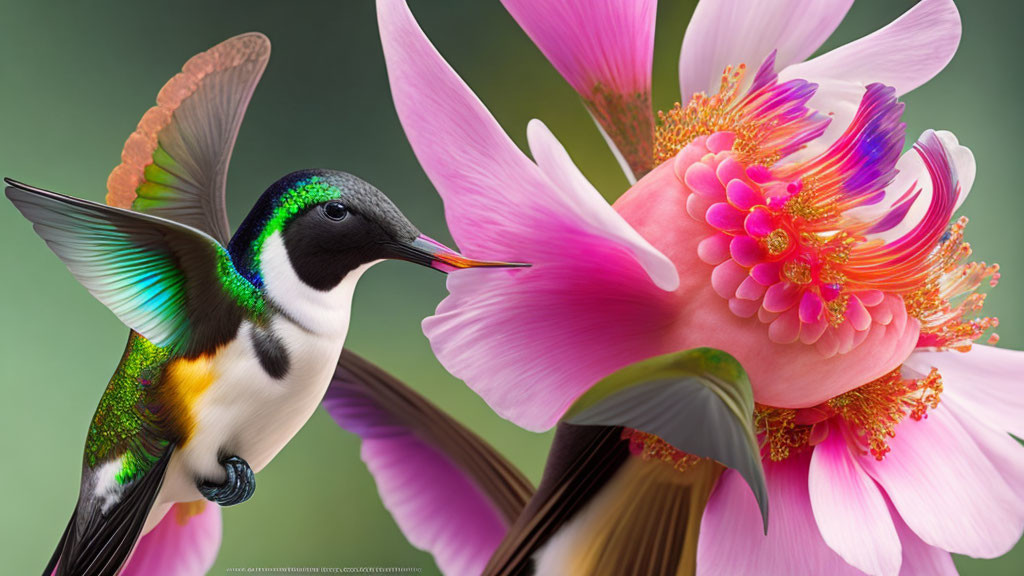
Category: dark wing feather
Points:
column 646, row 523
column 98, row 543
column 582, row 461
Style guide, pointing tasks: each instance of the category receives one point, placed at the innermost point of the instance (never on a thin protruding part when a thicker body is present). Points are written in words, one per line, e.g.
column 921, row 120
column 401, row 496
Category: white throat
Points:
column 321, row 312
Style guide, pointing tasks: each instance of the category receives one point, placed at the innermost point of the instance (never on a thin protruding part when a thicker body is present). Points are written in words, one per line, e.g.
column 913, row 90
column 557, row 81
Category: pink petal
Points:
column 745, row 251
column 590, row 271
column 724, row 217
column 857, row 314
column 786, row 328
column 758, row 222
column 845, row 334
column 480, row 173
column 727, row 277
column 811, row 333
column 714, row 249
column 732, row 541
column 701, row 178
column 184, row 543
column 766, row 274
column 905, row 54
column 850, row 510
column 751, row 289
column 920, row 559
column 604, row 49
column 744, row 308
column 436, row 506
column 604, row 41
column 766, row 316
column 811, row 308
column 732, row 32
column 859, row 337
column 730, row 169
column 881, row 314
column 741, row 195
column 1001, row 449
column 986, row 381
column 781, row 296
column 963, row 162
column 934, row 476
column 697, row 207
column 721, row 142
column 871, row 298
column 828, row 344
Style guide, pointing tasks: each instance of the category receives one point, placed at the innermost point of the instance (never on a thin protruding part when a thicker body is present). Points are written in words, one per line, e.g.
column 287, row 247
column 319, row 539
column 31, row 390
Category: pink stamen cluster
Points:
column 787, row 246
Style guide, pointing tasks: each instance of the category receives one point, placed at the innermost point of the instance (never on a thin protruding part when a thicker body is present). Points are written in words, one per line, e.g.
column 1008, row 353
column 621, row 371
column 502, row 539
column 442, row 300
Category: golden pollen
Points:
column 777, row 241
column 651, row 447
column 949, row 294
column 797, row 272
column 704, row 115
column 837, row 309
column 871, row 412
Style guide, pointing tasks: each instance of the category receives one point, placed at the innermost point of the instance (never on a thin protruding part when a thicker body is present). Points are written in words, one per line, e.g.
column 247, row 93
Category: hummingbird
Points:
column 234, row 337
column 631, row 468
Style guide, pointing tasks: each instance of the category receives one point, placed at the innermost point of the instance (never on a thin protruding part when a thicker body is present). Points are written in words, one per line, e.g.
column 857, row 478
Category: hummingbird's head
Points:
column 327, row 225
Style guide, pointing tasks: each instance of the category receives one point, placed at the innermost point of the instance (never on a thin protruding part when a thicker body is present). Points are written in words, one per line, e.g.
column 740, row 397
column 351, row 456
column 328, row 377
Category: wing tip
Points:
column 137, row 153
column 17, row 191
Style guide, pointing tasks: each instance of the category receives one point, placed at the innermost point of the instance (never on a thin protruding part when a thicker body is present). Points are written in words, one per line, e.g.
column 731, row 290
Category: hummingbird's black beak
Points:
column 431, row 253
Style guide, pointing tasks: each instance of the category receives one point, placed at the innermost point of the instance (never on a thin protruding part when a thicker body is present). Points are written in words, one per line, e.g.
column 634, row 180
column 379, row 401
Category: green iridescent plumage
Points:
column 161, row 185
column 143, row 268
column 123, row 413
column 244, row 294
column 303, row 194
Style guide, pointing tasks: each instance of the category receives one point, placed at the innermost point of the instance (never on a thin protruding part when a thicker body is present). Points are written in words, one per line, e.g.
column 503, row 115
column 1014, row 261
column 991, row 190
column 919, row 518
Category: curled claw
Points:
column 238, row 486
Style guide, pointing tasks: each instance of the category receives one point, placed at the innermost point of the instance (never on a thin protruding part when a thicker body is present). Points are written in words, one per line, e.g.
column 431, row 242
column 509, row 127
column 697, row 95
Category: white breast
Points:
column 246, row 412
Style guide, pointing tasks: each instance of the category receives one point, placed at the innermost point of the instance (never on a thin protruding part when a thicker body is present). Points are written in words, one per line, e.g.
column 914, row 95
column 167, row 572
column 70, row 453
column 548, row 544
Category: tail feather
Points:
column 51, row 566
column 98, row 543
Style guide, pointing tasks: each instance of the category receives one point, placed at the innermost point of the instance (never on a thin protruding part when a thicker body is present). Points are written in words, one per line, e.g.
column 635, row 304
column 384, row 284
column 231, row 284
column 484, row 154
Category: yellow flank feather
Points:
column 186, row 381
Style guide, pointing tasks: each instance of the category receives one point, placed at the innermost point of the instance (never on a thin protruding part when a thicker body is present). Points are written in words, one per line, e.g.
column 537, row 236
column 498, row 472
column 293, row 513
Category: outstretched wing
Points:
column 175, row 164
column 450, row 492
column 172, row 284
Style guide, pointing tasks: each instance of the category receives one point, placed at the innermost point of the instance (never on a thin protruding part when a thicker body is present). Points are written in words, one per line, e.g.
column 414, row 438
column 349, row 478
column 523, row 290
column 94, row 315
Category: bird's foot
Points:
column 237, row 487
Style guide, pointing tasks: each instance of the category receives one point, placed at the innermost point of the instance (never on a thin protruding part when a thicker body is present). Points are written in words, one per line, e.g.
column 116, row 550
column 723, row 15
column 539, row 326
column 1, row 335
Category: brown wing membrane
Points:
column 175, row 164
column 603, row 512
column 582, row 461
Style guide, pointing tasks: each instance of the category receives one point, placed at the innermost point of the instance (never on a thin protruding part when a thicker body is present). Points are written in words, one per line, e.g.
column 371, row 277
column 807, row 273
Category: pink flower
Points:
column 630, row 281
column 184, row 543
column 777, row 220
column 950, row 483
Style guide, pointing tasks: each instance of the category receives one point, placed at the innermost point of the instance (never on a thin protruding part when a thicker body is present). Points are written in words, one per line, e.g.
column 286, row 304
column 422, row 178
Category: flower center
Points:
column 867, row 415
column 810, row 246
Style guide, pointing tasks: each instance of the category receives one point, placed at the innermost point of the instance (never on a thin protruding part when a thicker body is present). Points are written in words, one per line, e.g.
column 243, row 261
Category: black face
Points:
column 331, row 239
column 328, row 240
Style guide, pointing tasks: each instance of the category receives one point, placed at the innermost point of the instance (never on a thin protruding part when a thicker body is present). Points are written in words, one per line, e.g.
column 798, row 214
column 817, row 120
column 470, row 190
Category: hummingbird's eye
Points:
column 335, row 210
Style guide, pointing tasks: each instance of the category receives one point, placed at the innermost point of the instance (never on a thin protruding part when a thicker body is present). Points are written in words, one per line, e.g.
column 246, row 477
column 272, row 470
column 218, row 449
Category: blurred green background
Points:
column 76, row 79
